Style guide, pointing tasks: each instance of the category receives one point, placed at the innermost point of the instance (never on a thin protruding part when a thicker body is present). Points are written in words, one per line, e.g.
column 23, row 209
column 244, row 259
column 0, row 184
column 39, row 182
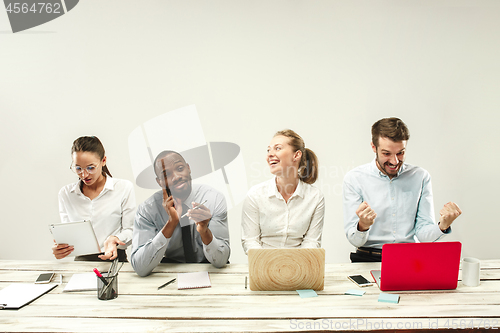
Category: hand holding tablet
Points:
column 78, row 235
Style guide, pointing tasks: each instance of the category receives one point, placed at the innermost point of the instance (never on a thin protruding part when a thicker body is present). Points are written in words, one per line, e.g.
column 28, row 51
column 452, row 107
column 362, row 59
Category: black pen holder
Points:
column 110, row 289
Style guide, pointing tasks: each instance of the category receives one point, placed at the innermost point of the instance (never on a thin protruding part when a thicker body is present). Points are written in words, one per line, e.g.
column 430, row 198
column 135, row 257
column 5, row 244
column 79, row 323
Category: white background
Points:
column 327, row 69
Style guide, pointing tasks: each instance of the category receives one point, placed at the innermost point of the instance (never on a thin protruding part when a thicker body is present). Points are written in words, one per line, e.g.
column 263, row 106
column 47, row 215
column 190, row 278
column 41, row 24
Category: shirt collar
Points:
column 191, row 196
column 272, row 189
column 109, row 185
column 76, row 187
column 375, row 170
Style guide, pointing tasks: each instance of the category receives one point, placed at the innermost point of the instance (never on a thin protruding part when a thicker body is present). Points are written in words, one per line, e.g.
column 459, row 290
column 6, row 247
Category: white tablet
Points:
column 78, row 234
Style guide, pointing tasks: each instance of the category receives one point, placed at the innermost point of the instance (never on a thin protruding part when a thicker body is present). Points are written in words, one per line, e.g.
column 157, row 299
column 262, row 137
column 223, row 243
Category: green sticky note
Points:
column 355, row 292
column 306, row 293
column 388, row 298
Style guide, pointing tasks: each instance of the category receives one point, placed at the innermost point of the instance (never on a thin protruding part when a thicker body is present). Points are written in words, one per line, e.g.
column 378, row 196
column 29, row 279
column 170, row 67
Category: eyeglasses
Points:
column 79, row 170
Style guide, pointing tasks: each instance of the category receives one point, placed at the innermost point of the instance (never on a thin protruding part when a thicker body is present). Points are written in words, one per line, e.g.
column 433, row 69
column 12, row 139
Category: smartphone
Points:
column 360, row 280
column 44, row 278
column 168, row 191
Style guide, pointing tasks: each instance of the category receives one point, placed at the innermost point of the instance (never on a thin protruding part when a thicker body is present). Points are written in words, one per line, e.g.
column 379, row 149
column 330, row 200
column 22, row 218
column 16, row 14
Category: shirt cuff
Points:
column 211, row 247
column 440, row 233
column 160, row 241
column 361, row 235
column 122, row 237
column 447, row 231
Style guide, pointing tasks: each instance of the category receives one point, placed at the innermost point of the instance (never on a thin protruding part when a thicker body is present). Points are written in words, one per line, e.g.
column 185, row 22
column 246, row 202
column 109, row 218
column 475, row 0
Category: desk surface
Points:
column 228, row 306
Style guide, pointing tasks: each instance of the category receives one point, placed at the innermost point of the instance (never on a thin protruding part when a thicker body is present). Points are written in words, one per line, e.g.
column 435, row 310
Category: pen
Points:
column 117, row 269
column 245, row 282
column 112, row 267
column 107, row 286
column 195, row 207
column 166, row 284
column 114, row 274
column 99, row 275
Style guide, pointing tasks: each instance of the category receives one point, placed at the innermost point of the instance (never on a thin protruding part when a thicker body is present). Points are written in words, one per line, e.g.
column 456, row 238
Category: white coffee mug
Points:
column 470, row 272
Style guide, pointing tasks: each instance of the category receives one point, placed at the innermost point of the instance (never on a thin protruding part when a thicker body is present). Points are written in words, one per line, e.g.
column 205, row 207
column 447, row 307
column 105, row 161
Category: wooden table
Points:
column 228, row 306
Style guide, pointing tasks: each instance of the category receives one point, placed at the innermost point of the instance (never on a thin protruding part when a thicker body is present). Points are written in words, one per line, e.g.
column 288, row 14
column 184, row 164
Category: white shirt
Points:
column 111, row 212
column 270, row 222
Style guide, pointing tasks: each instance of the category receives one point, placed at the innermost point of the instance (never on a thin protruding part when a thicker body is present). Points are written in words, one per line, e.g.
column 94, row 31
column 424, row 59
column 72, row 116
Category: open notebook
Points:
column 82, row 282
column 193, row 280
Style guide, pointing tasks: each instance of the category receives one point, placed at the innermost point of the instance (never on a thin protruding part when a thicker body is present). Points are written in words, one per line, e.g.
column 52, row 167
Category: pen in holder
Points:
column 107, row 287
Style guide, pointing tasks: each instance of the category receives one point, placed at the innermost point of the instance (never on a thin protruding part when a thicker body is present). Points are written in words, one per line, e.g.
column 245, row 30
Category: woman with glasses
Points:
column 109, row 203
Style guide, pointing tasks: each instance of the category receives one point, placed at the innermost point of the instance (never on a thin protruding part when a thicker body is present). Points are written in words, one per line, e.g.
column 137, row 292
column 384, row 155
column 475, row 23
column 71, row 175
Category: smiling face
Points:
column 283, row 161
column 390, row 155
column 88, row 166
column 174, row 172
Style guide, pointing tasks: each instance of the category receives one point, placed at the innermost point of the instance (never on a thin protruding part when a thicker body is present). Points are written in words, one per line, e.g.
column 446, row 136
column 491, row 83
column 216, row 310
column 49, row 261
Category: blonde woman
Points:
column 286, row 211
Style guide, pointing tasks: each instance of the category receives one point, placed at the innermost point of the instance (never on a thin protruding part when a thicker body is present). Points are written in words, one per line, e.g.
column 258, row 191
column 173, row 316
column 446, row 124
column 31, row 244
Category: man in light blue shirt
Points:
column 389, row 201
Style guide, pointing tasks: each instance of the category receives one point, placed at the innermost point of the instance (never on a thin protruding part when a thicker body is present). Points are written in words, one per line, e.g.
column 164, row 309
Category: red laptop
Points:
column 419, row 266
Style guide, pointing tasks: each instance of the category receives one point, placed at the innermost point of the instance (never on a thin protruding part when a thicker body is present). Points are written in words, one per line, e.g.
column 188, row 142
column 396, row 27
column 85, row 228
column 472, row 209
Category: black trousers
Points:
column 366, row 254
column 122, row 256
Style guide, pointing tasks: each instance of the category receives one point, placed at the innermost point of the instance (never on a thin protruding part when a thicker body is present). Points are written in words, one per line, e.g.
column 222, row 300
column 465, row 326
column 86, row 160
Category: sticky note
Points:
column 306, row 293
column 355, row 292
column 388, row 298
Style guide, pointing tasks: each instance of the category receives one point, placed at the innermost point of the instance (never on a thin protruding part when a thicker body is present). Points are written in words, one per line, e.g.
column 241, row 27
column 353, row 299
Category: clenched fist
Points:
column 366, row 216
column 448, row 213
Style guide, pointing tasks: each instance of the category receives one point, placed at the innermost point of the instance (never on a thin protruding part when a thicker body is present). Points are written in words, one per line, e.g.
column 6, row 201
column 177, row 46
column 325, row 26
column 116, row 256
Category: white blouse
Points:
column 270, row 222
column 111, row 212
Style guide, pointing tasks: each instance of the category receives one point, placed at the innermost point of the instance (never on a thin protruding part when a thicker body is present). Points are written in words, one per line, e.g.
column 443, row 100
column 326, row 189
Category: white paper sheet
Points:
column 82, row 282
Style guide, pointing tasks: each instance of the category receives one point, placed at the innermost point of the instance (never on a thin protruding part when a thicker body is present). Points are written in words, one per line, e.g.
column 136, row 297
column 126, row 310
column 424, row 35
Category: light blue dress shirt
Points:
column 149, row 245
column 403, row 204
